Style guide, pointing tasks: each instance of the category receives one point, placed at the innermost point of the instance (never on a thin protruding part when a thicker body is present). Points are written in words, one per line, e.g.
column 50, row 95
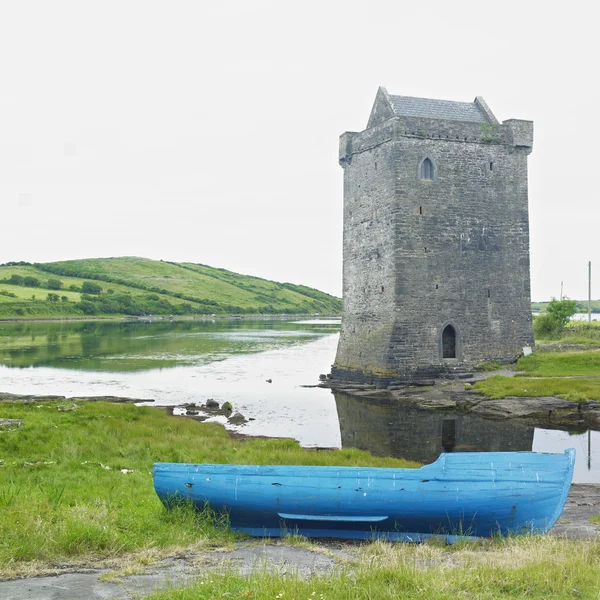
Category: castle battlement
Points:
column 513, row 132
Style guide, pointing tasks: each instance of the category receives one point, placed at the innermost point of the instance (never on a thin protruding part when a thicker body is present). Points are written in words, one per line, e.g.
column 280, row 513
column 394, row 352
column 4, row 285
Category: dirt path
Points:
column 583, row 502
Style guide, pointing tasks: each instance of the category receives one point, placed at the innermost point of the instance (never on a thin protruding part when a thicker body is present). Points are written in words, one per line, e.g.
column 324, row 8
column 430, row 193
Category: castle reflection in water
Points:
column 388, row 428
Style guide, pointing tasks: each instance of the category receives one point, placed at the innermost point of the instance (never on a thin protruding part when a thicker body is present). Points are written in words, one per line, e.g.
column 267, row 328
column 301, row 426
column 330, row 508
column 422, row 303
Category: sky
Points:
column 208, row 131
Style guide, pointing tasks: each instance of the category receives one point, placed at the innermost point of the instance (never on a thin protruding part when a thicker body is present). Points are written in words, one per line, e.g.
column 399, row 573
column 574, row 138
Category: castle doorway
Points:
column 449, row 342
column 448, row 434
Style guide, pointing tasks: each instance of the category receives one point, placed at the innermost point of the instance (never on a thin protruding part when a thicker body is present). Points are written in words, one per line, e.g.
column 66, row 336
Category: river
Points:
column 262, row 368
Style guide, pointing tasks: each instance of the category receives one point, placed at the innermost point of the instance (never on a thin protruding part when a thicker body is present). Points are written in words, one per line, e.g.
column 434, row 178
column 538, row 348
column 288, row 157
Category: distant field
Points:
column 139, row 286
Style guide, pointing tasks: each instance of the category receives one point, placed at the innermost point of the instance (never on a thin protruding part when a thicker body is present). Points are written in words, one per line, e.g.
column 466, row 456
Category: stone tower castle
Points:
column 436, row 240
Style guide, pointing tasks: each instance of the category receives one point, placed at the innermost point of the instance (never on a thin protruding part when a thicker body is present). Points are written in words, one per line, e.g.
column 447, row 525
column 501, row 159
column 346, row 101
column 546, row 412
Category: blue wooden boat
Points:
column 467, row 494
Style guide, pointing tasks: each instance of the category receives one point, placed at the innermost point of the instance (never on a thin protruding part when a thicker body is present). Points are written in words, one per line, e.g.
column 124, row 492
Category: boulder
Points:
column 237, row 419
column 519, row 407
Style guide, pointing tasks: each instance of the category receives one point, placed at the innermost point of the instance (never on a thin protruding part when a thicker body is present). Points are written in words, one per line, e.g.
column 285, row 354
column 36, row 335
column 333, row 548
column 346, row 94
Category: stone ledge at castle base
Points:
column 422, row 377
column 547, row 411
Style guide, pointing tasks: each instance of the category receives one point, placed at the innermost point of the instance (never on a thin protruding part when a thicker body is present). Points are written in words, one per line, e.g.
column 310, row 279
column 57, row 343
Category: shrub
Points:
column 87, row 307
column 89, row 287
column 54, row 284
column 561, row 310
column 546, row 327
column 52, row 297
column 16, row 279
column 551, row 324
column 31, row 281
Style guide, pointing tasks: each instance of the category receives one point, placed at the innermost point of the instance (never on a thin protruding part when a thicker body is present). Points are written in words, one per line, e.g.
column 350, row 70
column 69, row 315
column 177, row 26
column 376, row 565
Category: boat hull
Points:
column 459, row 495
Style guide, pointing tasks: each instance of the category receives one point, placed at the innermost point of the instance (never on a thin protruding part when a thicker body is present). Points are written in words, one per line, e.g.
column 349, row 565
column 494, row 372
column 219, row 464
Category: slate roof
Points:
column 406, row 106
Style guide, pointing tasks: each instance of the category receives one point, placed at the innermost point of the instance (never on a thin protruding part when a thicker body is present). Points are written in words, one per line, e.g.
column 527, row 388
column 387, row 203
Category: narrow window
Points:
column 491, row 166
column 449, row 342
column 489, row 293
column 420, row 210
column 427, row 169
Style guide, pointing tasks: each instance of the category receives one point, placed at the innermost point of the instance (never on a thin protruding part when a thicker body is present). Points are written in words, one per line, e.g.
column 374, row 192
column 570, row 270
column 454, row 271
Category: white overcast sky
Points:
column 208, row 131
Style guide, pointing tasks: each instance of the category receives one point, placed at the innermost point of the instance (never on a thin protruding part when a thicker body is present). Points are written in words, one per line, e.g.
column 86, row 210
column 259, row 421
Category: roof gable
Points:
column 406, row 106
column 386, row 107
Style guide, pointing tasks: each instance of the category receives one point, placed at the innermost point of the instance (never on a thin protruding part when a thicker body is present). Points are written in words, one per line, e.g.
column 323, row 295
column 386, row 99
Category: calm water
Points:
column 584, row 317
column 192, row 361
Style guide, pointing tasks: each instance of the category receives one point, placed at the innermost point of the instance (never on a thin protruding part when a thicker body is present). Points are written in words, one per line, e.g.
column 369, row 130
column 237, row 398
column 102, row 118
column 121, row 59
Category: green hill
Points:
column 140, row 286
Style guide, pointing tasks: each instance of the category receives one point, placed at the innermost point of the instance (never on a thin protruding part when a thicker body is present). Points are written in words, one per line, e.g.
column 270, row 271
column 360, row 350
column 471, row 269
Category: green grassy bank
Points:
column 139, row 286
column 569, row 375
column 65, row 498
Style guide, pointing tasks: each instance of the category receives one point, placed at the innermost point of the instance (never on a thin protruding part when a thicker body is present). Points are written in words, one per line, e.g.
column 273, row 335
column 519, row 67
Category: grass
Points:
column 64, row 497
column 549, row 374
column 577, row 333
column 576, row 390
column 561, row 364
column 24, row 294
column 528, row 567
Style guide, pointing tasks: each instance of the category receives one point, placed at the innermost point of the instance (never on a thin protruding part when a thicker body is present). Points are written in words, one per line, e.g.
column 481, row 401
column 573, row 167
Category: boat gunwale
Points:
column 364, row 471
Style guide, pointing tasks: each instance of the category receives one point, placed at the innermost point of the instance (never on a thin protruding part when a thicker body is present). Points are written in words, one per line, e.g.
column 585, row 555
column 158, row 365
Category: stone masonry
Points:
column 436, row 240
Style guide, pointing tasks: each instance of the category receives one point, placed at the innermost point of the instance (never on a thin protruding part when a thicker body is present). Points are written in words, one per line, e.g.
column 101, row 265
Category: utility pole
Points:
column 590, row 292
column 561, row 291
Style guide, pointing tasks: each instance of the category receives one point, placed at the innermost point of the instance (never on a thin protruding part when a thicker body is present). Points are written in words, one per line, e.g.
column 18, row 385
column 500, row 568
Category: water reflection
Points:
column 141, row 345
column 387, row 428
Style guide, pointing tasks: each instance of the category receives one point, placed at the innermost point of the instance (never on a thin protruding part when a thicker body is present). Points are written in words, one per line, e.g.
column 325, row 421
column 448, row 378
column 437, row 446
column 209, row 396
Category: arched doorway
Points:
column 449, row 342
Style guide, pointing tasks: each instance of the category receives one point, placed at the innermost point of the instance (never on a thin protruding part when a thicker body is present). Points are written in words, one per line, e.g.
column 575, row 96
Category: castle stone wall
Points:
column 422, row 254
